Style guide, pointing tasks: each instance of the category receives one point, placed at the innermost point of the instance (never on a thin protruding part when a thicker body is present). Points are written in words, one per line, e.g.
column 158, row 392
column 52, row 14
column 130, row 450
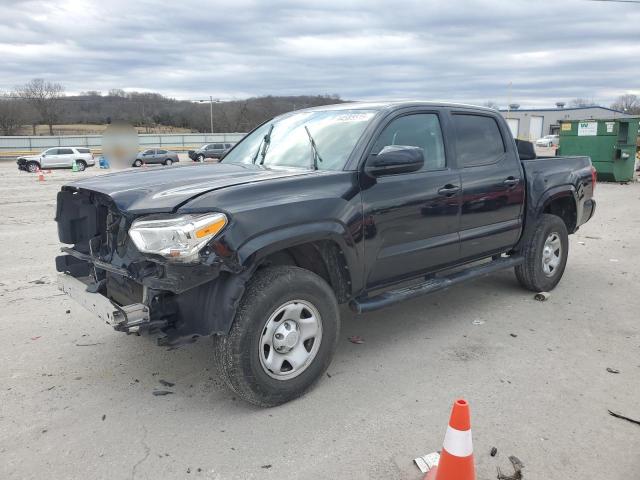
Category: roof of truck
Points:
column 381, row 105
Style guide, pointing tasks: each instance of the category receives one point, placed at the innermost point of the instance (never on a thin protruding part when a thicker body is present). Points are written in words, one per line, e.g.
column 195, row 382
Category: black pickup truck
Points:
column 358, row 204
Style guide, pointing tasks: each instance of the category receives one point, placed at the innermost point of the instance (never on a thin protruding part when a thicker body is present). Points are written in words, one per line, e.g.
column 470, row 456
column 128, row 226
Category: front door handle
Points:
column 449, row 190
column 511, row 182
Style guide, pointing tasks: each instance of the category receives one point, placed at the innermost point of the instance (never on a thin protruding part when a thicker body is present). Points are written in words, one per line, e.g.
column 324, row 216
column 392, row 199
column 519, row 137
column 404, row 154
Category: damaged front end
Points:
column 170, row 275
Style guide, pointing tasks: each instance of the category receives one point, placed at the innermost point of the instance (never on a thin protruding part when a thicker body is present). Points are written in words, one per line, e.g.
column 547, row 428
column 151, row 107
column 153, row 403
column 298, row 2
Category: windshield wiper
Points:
column 264, row 145
column 316, row 154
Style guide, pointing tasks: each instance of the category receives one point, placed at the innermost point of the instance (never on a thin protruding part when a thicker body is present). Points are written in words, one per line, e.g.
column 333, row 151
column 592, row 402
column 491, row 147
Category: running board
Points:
column 391, row 297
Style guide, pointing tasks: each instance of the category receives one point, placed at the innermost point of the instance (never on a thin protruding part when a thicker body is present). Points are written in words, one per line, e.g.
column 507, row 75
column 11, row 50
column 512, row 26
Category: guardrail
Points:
column 25, row 145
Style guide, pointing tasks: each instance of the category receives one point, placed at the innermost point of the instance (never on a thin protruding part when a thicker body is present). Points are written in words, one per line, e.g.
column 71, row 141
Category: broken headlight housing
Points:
column 177, row 238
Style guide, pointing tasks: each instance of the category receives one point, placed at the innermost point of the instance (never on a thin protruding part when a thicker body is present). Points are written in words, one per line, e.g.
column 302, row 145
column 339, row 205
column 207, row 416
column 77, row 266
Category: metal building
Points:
column 533, row 123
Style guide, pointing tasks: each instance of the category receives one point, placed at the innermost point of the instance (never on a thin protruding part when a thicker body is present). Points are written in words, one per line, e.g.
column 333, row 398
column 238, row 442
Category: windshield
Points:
column 285, row 142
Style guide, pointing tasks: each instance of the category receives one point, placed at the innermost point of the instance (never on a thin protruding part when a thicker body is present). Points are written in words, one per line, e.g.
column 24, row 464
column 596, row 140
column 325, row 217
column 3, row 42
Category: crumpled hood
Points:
column 161, row 189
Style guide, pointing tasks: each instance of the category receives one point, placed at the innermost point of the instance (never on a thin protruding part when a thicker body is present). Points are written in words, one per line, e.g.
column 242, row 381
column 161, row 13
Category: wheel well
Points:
column 324, row 258
column 81, row 160
column 565, row 208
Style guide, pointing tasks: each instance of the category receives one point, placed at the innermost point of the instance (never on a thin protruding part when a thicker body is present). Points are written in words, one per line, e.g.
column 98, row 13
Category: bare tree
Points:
column 11, row 113
column 582, row 102
column 628, row 103
column 45, row 97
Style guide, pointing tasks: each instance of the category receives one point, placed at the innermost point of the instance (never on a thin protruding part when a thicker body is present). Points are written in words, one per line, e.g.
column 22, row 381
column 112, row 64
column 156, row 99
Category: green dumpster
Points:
column 611, row 144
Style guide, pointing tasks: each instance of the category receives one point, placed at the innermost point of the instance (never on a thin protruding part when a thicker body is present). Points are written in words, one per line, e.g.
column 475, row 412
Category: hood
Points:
column 158, row 190
column 30, row 157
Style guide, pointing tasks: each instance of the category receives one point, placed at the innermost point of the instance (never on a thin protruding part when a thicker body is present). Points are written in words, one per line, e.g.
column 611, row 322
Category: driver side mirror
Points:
column 395, row 159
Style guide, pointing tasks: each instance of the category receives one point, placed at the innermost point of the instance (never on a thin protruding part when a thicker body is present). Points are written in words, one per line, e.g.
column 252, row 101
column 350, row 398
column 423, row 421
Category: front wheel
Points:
column 545, row 255
column 283, row 336
column 200, row 158
column 137, row 163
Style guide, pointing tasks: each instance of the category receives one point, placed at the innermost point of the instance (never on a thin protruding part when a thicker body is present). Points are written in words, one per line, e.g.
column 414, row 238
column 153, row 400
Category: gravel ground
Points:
column 76, row 397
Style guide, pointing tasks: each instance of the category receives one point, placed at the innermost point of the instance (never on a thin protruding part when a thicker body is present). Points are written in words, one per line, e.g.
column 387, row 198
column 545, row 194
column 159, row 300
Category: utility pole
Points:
column 211, row 111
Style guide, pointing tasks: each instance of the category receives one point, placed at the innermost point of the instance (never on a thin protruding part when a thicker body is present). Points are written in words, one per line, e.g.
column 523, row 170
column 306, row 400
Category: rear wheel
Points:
column 168, row 162
column 545, row 255
column 283, row 336
column 82, row 165
column 32, row 167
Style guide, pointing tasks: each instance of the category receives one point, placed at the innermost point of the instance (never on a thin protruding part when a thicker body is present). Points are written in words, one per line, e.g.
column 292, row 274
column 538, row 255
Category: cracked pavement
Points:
column 542, row 395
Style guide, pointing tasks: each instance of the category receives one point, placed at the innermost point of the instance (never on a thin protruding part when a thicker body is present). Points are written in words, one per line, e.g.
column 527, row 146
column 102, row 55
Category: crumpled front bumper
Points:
column 125, row 318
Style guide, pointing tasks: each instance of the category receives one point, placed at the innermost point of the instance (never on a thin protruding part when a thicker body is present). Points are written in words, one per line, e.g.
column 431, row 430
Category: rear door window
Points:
column 65, row 151
column 218, row 146
column 83, row 150
column 478, row 140
column 161, row 152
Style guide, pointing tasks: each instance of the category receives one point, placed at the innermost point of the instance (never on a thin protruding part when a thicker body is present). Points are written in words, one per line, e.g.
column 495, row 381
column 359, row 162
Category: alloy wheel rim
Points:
column 551, row 254
column 290, row 339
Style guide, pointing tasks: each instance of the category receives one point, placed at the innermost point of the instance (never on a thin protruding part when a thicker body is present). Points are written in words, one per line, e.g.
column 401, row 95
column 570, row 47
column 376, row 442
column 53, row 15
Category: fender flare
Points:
column 275, row 240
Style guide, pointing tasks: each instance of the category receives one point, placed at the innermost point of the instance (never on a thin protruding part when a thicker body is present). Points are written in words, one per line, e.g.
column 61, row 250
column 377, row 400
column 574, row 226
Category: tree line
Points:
column 40, row 102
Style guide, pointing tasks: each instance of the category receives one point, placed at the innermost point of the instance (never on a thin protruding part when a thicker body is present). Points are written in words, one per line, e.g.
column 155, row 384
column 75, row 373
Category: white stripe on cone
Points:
column 458, row 442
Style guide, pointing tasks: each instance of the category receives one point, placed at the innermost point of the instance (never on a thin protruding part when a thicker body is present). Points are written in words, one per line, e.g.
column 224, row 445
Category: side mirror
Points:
column 526, row 150
column 395, row 159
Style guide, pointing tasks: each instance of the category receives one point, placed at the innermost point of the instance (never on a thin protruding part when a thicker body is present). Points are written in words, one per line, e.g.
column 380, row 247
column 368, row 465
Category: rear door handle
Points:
column 449, row 190
column 512, row 182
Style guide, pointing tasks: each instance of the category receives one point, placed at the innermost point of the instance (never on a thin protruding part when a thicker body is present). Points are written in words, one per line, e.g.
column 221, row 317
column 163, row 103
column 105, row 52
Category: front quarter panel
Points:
column 269, row 216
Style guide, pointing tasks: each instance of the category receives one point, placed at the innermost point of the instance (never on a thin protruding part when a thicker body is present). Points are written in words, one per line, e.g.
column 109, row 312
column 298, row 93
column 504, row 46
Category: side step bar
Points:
column 391, row 297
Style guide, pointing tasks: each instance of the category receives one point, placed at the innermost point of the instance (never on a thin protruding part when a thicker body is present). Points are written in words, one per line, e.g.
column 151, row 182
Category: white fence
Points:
column 174, row 140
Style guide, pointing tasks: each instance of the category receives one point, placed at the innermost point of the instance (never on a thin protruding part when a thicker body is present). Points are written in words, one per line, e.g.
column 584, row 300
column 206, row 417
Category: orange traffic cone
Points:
column 40, row 176
column 456, row 458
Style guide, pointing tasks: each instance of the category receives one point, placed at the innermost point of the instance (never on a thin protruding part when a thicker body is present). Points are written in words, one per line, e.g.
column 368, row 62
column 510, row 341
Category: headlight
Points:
column 176, row 238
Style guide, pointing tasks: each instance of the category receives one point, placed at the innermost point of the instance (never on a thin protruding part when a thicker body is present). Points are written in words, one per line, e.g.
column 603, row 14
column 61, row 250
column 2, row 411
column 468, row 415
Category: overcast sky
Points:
column 433, row 50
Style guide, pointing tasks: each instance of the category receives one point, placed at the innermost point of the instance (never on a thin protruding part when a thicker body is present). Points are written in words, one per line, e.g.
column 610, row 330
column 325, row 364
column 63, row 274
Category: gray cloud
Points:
column 461, row 51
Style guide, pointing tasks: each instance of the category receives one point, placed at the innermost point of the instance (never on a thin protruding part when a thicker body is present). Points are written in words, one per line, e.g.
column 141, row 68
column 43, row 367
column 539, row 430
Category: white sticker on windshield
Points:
column 354, row 117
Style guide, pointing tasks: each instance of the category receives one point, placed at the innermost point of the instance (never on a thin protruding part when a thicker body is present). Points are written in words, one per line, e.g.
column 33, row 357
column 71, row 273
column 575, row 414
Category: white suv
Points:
column 58, row 157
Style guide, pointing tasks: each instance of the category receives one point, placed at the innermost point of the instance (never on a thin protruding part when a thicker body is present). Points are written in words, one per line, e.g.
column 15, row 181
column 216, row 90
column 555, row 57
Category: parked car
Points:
column 58, row 157
column 210, row 150
column 157, row 156
column 359, row 204
column 548, row 141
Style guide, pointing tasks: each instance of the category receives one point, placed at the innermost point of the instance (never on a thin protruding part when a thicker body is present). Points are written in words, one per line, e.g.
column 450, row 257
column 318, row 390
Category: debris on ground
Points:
column 159, row 393
column 427, row 462
column 87, row 344
column 36, row 338
column 513, row 335
column 68, row 311
column 612, row 370
column 165, row 383
column 542, row 296
column 493, row 452
column 104, row 416
column 40, row 281
column 517, row 470
column 357, row 339
column 266, row 466
column 623, row 417
column 614, row 260
column 478, row 322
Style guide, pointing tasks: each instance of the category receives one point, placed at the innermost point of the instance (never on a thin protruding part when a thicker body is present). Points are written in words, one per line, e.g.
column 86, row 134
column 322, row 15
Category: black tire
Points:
column 82, row 165
column 137, row 163
column 200, row 158
column 33, row 167
column 237, row 354
column 531, row 274
column 168, row 162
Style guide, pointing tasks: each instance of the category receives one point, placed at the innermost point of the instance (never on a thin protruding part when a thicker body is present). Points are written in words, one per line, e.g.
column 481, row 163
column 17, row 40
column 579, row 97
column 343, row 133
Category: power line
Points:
column 615, row 1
